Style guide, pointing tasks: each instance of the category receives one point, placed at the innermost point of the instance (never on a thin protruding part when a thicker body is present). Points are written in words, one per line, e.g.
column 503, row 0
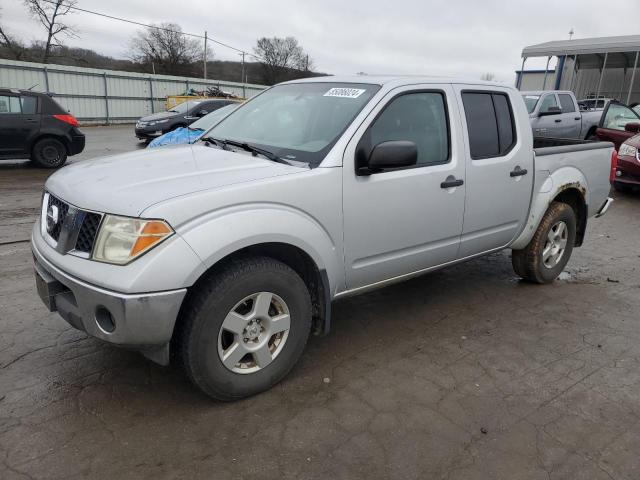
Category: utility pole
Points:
column 205, row 55
column 243, row 78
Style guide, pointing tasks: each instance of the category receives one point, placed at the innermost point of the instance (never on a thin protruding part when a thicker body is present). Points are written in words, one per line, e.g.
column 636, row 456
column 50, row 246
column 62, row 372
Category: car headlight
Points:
column 121, row 239
column 155, row 122
column 628, row 150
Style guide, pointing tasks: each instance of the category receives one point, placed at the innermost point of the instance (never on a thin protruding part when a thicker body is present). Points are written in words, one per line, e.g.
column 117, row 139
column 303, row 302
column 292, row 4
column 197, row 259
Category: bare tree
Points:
column 280, row 55
column 165, row 48
column 11, row 45
column 50, row 15
column 488, row 77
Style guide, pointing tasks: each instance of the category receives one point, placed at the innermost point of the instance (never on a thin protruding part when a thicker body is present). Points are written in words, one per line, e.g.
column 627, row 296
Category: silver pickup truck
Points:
column 557, row 114
column 225, row 255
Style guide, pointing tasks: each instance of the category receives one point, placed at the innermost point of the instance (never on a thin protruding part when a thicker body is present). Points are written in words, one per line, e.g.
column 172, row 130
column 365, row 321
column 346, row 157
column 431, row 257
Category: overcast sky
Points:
column 438, row 37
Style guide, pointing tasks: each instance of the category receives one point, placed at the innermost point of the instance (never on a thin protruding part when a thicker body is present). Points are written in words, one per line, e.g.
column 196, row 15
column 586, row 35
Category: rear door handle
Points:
column 558, row 120
column 451, row 183
column 518, row 172
column 576, row 118
column 31, row 120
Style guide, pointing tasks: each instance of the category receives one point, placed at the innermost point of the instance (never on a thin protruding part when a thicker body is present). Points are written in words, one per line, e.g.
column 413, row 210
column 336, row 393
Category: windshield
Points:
column 184, row 107
column 531, row 101
column 214, row 117
column 297, row 121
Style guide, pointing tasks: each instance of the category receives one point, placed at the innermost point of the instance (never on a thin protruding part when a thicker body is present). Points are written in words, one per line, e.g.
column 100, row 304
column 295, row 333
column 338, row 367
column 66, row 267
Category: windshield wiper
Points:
column 256, row 151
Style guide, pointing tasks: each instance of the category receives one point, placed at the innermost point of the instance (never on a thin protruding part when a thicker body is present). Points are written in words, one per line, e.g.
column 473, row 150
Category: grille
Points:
column 88, row 232
column 63, row 209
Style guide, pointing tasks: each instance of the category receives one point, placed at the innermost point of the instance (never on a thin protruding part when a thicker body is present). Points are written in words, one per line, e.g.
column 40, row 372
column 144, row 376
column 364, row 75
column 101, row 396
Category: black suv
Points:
column 181, row 115
column 33, row 125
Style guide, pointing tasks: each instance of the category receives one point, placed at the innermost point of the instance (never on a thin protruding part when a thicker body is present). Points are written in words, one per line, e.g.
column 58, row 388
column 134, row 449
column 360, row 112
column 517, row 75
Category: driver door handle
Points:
column 558, row 120
column 518, row 172
column 452, row 183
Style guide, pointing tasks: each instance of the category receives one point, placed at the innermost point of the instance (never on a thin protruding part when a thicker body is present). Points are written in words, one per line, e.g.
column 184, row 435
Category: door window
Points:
column 489, row 123
column 566, row 103
column 417, row 117
column 9, row 104
column 548, row 102
column 618, row 116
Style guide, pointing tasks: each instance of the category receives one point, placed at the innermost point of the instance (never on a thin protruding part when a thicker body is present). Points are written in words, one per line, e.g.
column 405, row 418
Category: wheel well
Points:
column 49, row 135
column 296, row 258
column 575, row 199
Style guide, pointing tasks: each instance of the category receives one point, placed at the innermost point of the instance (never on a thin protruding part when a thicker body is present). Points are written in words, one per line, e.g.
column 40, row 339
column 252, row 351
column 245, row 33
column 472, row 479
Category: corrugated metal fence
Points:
column 107, row 96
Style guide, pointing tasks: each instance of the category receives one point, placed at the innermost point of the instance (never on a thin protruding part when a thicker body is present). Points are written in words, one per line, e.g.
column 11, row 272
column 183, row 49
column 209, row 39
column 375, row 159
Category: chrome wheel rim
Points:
column 555, row 245
column 254, row 333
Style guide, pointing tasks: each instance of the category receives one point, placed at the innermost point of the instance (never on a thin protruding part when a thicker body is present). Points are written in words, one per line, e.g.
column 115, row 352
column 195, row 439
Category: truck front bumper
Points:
column 141, row 322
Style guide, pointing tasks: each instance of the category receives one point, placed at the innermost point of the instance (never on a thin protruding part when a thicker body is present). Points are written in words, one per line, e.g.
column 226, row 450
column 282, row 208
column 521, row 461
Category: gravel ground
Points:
column 466, row 373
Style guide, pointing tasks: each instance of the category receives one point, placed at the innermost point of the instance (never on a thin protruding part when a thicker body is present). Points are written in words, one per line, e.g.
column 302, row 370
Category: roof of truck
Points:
column 396, row 79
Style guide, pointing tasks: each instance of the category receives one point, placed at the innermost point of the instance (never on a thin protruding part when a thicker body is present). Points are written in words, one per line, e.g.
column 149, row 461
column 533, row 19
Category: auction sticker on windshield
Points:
column 345, row 92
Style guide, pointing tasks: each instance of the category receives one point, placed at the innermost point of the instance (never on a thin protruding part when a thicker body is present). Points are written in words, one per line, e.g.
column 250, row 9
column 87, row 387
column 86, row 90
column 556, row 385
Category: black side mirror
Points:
column 551, row 111
column 202, row 113
column 390, row 155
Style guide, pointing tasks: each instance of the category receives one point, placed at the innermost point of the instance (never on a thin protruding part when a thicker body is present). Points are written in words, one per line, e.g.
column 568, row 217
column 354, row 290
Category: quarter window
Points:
column 566, row 102
column 419, row 117
column 29, row 104
column 489, row 123
column 9, row 104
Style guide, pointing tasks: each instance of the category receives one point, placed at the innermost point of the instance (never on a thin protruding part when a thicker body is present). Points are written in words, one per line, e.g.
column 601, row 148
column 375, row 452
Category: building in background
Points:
column 605, row 67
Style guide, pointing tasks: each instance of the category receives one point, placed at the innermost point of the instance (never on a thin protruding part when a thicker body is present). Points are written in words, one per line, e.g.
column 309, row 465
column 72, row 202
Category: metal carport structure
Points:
column 605, row 66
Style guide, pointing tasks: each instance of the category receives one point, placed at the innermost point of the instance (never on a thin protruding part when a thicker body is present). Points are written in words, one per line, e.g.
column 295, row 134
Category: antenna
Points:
column 571, row 32
column 33, row 86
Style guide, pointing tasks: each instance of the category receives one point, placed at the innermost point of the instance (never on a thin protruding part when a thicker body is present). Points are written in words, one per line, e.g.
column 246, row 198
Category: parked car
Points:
column 181, row 115
column 618, row 124
column 625, row 174
column 191, row 133
column 228, row 253
column 33, row 125
column 593, row 104
column 556, row 114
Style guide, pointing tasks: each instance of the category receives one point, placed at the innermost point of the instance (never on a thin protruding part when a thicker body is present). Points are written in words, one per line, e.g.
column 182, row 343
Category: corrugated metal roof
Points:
column 582, row 46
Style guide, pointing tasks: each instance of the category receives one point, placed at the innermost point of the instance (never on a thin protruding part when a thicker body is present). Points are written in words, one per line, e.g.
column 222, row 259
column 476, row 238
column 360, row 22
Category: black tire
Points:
column 197, row 336
column 49, row 153
column 528, row 263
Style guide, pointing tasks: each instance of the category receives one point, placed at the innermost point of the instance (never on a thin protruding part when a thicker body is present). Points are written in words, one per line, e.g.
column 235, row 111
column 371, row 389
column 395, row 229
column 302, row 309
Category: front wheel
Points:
column 548, row 252
column 245, row 328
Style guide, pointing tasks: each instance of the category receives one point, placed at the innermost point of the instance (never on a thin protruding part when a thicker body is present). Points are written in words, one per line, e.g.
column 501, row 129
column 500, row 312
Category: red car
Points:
column 620, row 124
column 625, row 171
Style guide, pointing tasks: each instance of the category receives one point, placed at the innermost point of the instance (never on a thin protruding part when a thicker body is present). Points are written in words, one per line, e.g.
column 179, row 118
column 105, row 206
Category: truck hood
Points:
column 129, row 183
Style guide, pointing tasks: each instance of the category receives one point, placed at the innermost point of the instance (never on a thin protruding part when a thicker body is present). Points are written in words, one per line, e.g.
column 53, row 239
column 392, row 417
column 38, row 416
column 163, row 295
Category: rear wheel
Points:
column 548, row 252
column 244, row 328
column 49, row 153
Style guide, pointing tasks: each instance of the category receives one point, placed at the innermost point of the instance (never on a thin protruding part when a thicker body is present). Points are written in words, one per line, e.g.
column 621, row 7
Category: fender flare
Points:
column 563, row 179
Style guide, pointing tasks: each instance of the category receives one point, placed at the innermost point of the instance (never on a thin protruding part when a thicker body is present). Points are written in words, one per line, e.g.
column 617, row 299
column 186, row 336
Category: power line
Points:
column 133, row 22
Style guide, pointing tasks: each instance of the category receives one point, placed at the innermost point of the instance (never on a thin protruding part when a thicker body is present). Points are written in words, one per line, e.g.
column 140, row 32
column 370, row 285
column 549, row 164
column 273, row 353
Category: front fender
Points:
column 225, row 231
column 549, row 187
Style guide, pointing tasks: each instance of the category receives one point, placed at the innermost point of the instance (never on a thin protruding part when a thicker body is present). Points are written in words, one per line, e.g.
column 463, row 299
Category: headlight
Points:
column 155, row 122
column 627, row 150
column 121, row 239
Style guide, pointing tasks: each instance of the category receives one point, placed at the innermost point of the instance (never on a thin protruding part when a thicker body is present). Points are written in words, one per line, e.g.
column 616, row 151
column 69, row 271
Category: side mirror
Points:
column 390, row 155
column 202, row 113
column 551, row 111
column 633, row 127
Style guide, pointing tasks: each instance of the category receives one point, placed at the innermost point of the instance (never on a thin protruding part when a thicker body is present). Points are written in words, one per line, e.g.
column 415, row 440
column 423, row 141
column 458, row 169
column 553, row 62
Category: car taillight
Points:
column 70, row 119
column 614, row 165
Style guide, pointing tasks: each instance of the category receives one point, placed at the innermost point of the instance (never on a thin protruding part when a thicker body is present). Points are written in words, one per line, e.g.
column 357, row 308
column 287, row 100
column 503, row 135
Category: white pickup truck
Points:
column 556, row 114
column 226, row 254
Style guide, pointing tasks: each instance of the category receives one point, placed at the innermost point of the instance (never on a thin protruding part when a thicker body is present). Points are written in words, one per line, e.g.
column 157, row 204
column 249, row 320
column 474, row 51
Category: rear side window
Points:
column 9, row 104
column 566, row 103
column 489, row 123
column 29, row 104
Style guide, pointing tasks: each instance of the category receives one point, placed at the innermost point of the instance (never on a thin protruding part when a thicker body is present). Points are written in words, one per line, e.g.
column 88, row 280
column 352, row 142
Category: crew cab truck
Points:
column 226, row 254
column 557, row 114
